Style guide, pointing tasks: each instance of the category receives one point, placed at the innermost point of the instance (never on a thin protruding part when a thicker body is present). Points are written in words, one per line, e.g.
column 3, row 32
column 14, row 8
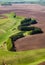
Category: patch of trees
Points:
column 17, row 36
column 12, row 39
column 35, row 31
column 25, row 28
column 28, row 21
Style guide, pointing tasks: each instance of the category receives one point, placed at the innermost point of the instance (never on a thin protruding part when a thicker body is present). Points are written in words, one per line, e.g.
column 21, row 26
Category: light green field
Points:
column 32, row 57
column 8, row 27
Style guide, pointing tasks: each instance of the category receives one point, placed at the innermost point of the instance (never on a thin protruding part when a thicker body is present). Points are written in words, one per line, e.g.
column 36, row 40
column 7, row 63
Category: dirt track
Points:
column 37, row 12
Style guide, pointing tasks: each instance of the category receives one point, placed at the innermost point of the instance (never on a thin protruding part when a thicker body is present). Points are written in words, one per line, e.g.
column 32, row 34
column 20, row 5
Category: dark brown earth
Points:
column 36, row 11
column 43, row 63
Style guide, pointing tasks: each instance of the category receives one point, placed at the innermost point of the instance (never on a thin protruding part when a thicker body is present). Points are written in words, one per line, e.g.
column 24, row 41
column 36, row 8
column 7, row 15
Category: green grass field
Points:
column 8, row 27
column 32, row 57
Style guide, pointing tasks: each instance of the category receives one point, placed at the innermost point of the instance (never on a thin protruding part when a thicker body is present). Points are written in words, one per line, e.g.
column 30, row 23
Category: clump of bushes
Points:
column 34, row 30
column 28, row 21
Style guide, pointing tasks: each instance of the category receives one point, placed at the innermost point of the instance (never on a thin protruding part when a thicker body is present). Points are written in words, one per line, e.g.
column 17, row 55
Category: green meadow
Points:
column 32, row 57
column 9, row 27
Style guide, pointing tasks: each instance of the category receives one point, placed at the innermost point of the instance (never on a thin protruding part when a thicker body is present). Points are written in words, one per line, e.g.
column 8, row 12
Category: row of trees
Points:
column 28, row 21
column 24, row 26
column 17, row 36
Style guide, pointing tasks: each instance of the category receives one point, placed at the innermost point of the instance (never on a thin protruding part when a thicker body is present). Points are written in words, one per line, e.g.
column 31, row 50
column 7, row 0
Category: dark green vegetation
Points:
column 28, row 21
column 17, row 36
column 36, row 31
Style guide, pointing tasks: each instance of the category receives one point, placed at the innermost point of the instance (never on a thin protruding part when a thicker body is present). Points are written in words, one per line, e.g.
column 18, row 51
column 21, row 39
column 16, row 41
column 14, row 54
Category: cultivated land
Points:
column 8, row 27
